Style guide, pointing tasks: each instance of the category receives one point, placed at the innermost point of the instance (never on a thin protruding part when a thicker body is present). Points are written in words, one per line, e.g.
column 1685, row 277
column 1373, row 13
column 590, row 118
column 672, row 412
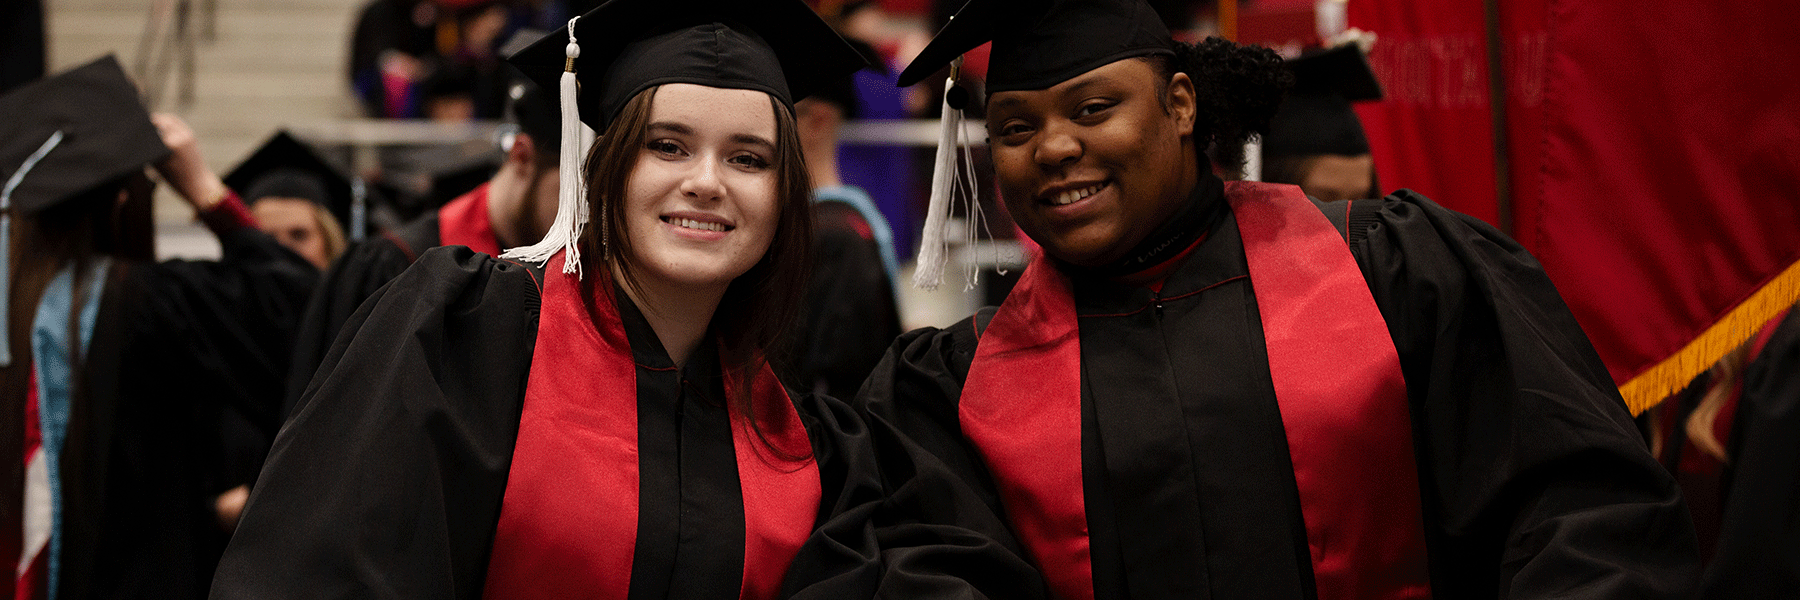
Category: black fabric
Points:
column 388, row 480
column 1535, row 483
column 850, row 315
column 776, row 46
column 352, row 278
column 105, row 134
column 1040, row 43
column 176, row 345
column 1759, row 539
column 1316, row 117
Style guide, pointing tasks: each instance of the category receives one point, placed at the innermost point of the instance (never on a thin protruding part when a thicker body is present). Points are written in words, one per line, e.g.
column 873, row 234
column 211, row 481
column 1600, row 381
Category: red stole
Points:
column 1336, row 377
column 568, row 523
column 464, row 222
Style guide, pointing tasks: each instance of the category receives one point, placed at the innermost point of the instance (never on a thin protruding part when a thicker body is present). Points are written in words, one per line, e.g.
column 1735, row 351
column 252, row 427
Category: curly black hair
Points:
column 1237, row 89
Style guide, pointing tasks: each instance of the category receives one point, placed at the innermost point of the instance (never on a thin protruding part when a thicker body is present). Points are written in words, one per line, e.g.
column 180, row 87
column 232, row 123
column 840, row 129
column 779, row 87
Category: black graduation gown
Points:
column 388, row 480
column 1533, row 480
column 176, row 344
column 851, row 317
column 1758, row 554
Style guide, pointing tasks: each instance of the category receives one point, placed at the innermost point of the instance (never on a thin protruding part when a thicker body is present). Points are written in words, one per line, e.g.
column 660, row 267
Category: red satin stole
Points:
column 568, row 523
column 464, row 222
column 1336, row 377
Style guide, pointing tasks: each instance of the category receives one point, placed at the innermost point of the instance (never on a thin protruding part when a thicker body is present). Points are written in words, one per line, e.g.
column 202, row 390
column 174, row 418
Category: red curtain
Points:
column 1652, row 150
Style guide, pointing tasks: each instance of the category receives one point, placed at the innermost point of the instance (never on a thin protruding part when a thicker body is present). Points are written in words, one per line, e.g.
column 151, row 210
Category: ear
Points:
column 1182, row 102
column 524, row 150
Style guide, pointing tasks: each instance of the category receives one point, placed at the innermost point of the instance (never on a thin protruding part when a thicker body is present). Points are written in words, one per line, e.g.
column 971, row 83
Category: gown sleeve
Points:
column 1532, row 472
column 941, row 530
column 1759, row 539
column 388, row 480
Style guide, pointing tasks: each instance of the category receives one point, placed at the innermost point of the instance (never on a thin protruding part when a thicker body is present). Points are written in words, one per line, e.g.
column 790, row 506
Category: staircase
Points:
column 269, row 63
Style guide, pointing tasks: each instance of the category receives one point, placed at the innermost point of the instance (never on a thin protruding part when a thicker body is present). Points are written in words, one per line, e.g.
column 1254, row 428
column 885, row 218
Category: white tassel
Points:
column 6, row 210
column 572, row 206
column 933, row 248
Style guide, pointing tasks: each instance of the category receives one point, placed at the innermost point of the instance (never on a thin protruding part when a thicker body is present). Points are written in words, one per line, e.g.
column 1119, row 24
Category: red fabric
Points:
column 1671, row 168
column 33, row 581
column 1337, row 379
column 229, row 214
column 568, row 523
column 1021, row 406
column 1343, row 401
column 464, row 222
column 1433, row 131
column 781, row 495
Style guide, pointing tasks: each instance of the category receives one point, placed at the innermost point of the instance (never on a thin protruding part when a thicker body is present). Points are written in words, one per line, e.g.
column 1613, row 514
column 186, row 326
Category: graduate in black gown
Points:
column 1228, row 390
column 118, row 368
column 512, row 208
column 591, row 416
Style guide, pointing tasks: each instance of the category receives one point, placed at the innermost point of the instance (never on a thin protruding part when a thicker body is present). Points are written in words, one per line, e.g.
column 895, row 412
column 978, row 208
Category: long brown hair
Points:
column 755, row 319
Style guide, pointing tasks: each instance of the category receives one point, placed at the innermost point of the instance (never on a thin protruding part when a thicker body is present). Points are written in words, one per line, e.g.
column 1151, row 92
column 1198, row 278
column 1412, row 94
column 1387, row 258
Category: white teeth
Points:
column 1069, row 197
column 692, row 224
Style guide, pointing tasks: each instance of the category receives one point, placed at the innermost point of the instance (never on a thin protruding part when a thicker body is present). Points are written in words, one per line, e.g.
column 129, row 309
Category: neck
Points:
column 679, row 315
column 508, row 209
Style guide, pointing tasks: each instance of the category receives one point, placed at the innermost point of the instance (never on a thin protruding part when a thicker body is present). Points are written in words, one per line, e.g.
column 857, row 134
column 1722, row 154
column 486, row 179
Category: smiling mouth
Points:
column 693, row 224
column 1075, row 195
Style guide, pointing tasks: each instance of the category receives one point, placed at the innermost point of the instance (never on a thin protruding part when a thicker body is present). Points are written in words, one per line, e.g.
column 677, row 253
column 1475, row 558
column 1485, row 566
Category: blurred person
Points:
column 851, row 315
column 297, row 197
column 393, row 48
column 119, row 365
column 1315, row 140
column 513, row 208
column 1213, row 389
column 605, row 424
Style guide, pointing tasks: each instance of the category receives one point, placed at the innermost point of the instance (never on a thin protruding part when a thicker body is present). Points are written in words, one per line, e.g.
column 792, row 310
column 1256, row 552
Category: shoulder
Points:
column 456, row 273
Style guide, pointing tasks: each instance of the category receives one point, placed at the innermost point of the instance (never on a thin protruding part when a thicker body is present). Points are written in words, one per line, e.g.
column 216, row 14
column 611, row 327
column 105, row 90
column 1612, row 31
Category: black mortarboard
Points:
column 1316, row 117
column 65, row 136
column 775, row 46
column 71, row 133
column 1040, row 43
column 287, row 167
column 624, row 47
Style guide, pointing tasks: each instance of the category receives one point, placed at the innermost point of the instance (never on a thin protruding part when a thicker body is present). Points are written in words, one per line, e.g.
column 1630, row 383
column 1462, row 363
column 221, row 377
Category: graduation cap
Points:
column 63, row 137
column 624, row 47
column 1036, row 44
column 1316, row 117
column 285, row 167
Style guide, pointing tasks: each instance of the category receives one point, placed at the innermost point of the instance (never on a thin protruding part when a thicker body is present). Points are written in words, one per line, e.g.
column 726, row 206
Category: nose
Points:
column 1057, row 148
column 702, row 181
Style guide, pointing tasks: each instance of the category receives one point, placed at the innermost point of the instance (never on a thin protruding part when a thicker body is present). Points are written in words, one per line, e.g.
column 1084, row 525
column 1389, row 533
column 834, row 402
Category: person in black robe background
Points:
column 512, row 208
column 459, row 438
column 172, row 344
column 1532, row 482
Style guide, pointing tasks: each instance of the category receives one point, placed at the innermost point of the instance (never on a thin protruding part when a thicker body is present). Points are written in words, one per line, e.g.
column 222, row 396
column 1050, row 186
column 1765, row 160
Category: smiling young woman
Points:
column 610, row 428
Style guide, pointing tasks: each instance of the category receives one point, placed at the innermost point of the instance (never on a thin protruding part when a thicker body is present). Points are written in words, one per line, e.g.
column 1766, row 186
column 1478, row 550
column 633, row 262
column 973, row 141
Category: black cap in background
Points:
column 1040, row 43
column 289, row 168
column 776, row 46
column 1316, row 117
column 71, row 133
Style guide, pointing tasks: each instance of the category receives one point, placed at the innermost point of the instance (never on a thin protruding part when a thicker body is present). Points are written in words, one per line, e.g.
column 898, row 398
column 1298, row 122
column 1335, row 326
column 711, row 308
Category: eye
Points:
column 664, row 147
column 1093, row 107
column 749, row 161
column 1012, row 132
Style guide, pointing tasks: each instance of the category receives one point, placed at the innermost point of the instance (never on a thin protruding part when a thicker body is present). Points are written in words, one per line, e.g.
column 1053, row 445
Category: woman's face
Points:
column 293, row 222
column 1092, row 165
column 701, row 204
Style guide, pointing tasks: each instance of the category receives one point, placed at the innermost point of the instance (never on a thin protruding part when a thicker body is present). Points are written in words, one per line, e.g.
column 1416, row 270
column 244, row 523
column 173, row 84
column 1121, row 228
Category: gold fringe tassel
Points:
column 1657, row 383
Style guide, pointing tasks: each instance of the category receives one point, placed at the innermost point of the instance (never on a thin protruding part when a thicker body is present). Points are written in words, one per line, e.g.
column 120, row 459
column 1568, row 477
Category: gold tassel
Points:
column 1665, row 378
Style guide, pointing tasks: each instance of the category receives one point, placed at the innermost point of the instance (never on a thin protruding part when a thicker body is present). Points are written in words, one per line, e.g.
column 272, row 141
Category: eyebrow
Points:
column 1080, row 85
column 681, row 129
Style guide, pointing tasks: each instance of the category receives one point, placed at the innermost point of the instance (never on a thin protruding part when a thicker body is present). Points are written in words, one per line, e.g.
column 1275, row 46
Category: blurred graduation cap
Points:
column 1316, row 117
column 64, row 137
column 1036, row 44
column 1040, row 43
column 285, row 167
column 626, row 46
